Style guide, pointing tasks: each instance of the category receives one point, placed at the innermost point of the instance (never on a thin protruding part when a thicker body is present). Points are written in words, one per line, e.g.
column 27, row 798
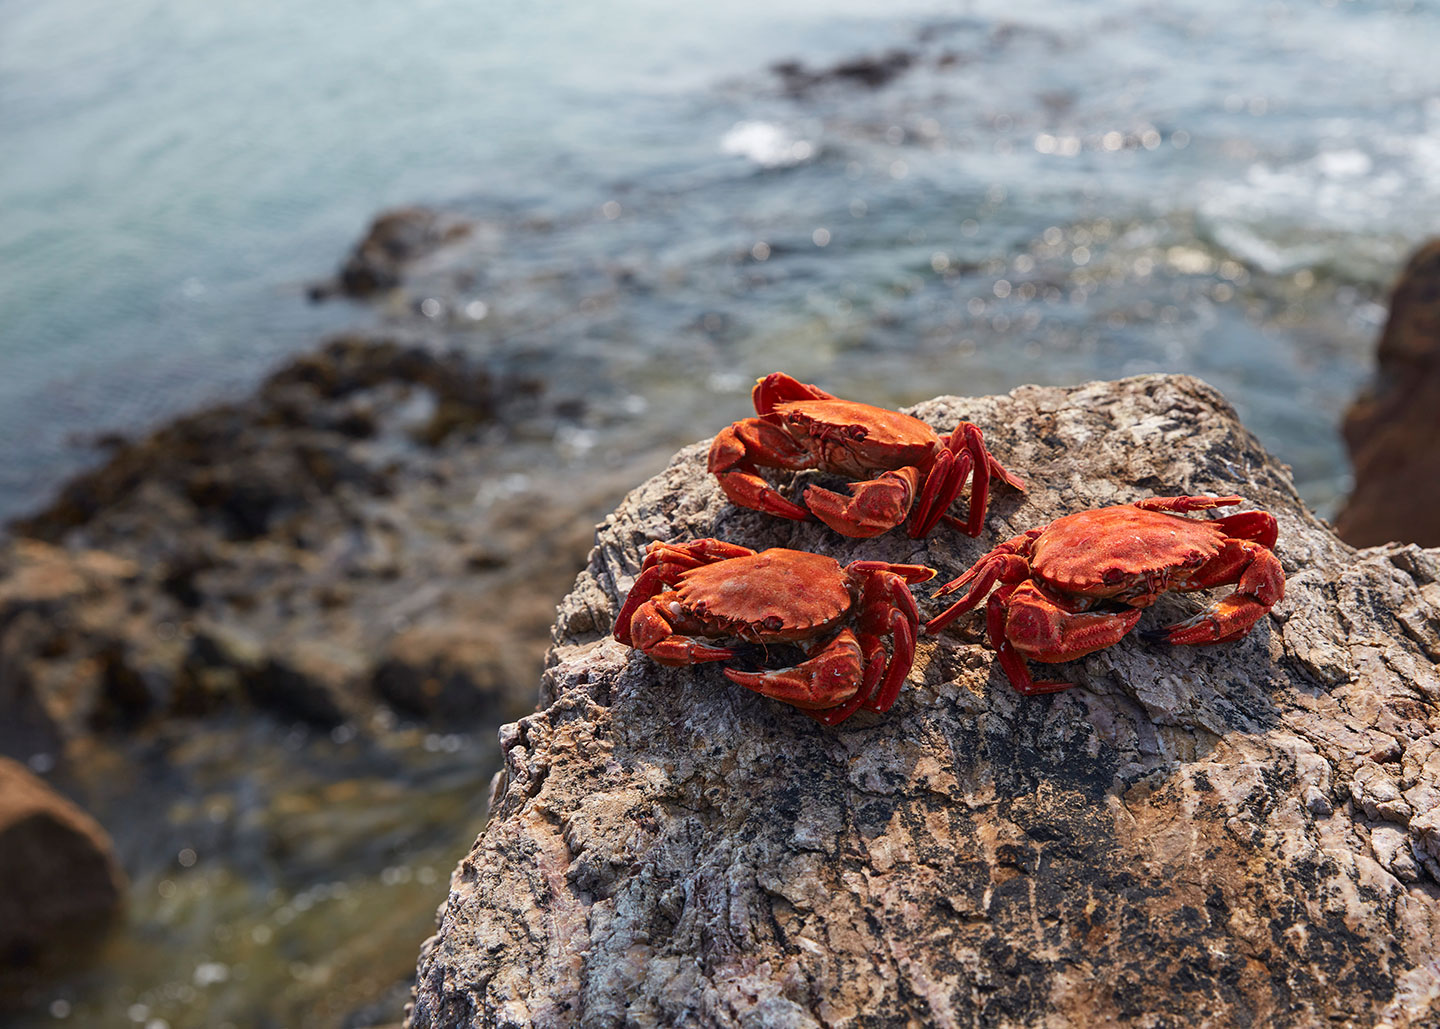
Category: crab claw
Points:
column 1259, row 585
column 874, row 506
column 779, row 388
column 831, row 677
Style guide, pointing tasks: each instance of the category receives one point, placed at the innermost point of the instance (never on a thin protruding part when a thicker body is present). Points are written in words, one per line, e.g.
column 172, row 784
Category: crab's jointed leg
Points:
column 887, row 608
column 1023, row 621
column 1181, row 505
column 1007, row 563
column 963, row 455
column 1259, row 585
column 663, row 566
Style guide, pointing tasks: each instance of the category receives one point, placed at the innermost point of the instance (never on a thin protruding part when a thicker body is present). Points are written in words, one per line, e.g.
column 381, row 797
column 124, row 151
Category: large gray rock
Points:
column 1244, row 834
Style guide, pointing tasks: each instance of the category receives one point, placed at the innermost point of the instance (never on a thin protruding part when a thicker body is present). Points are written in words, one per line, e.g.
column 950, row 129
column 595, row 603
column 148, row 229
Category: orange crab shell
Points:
column 775, row 596
column 1108, row 551
column 859, row 439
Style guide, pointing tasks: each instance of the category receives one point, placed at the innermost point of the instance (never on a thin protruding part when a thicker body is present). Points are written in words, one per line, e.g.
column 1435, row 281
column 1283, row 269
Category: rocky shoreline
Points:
column 267, row 646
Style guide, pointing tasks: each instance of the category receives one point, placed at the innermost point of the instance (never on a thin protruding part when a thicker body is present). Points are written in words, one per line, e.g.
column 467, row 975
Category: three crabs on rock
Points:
column 916, row 472
column 707, row 588
column 1079, row 584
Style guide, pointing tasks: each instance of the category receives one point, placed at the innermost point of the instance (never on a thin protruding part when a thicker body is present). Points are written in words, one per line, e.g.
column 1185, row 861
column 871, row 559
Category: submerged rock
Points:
column 58, row 873
column 397, row 240
column 1238, row 834
column 870, row 71
column 1391, row 427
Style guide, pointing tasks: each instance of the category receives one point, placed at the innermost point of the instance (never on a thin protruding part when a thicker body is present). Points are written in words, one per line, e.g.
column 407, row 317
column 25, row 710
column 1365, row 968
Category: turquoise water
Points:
column 175, row 172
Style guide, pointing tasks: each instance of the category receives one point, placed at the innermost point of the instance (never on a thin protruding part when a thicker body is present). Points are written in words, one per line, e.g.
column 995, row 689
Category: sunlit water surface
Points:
column 1050, row 193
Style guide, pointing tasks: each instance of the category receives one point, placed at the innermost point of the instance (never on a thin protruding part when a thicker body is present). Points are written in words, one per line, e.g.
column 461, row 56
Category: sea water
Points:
column 1049, row 193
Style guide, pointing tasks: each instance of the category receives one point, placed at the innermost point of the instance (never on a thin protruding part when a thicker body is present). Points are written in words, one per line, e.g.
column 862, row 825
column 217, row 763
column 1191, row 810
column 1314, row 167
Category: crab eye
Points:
column 1113, row 577
column 773, row 622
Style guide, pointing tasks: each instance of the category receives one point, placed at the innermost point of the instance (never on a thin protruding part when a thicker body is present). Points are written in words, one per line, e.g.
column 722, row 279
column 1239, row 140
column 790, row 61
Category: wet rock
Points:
column 58, row 873
column 396, row 241
column 1390, row 429
column 449, row 673
column 241, row 470
column 262, row 553
column 1237, row 834
column 870, row 71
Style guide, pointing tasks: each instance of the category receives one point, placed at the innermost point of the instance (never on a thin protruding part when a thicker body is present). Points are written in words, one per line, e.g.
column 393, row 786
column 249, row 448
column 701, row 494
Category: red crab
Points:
column 801, row 426
column 1078, row 584
column 709, row 588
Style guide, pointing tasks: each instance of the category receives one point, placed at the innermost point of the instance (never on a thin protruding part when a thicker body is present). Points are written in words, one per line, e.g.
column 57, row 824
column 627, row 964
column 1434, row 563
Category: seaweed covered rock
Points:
column 1238, row 834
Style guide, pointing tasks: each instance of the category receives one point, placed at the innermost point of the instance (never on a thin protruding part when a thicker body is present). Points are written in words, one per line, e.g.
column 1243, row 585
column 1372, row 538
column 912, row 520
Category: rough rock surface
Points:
column 57, row 864
column 1391, row 427
column 1244, row 834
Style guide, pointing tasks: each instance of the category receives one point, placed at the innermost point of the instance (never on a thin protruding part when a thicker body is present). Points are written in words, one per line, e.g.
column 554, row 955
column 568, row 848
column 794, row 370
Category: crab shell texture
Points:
column 1122, row 553
column 856, row 439
column 687, row 593
column 775, row 596
column 917, row 473
column 1079, row 584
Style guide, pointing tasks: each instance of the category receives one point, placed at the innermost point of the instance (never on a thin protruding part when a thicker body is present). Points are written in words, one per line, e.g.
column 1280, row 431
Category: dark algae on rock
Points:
column 1244, row 834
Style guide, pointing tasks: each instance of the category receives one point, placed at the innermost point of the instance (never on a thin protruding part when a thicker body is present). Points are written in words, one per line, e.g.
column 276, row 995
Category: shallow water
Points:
column 1049, row 193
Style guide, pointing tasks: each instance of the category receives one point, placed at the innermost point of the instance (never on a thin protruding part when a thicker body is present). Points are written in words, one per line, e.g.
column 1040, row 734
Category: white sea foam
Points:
column 767, row 144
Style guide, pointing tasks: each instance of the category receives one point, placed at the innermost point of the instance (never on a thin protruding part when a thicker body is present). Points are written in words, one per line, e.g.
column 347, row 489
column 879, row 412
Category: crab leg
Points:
column 664, row 564
column 1023, row 621
column 887, row 608
column 964, row 452
column 736, row 452
column 832, row 676
column 1259, row 585
column 967, row 447
column 1007, row 563
column 874, row 505
column 1179, row 505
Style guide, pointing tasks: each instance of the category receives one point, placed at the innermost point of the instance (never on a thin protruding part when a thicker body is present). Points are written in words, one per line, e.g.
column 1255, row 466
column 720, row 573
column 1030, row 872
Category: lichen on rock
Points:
column 1238, row 834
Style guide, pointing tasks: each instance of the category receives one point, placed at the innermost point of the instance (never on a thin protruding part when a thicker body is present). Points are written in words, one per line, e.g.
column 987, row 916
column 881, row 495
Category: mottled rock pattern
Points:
column 57, row 866
column 1236, row 835
column 1391, row 429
